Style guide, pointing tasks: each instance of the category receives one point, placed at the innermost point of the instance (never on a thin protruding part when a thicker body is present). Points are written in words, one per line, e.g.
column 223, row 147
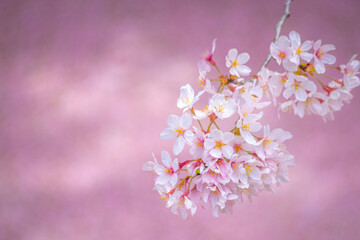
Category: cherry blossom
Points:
column 178, row 129
column 232, row 154
column 236, row 63
column 321, row 57
column 218, row 144
column 187, row 98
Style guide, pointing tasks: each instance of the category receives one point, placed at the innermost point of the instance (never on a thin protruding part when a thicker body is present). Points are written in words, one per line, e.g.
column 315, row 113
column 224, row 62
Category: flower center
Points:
column 219, row 144
column 246, row 127
column 178, row 131
column 235, row 63
column 220, row 108
column 249, row 169
column 267, row 141
column 282, row 55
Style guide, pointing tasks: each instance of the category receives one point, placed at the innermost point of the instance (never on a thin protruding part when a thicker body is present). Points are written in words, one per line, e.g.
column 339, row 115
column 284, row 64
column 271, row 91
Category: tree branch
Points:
column 278, row 28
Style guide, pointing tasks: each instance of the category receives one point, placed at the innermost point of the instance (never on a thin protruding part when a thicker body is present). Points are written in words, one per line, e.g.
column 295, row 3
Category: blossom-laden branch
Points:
column 278, row 29
column 243, row 159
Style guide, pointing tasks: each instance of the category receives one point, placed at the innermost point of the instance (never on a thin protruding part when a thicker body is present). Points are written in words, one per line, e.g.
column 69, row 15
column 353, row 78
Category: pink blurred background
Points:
column 85, row 90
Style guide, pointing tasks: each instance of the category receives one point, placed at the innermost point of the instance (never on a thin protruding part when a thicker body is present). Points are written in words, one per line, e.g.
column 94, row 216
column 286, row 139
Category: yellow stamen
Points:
column 246, row 127
column 178, row 131
column 267, row 141
column 249, row 169
column 296, row 86
column 220, row 108
column 237, row 148
column 219, row 144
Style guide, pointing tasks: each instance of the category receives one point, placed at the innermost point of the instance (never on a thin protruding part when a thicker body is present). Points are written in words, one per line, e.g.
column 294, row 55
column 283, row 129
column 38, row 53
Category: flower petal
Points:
column 179, row 145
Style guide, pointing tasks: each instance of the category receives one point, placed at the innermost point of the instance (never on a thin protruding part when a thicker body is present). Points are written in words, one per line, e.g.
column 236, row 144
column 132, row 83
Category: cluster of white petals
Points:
column 309, row 84
column 246, row 158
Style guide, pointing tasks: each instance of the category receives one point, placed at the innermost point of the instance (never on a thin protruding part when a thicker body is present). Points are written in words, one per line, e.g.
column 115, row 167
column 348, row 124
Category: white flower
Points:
column 300, row 86
column 247, row 125
column 197, row 144
column 236, row 63
column 167, row 171
column 187, row 99
column 253, row 96
column 321, row 57
column 223, row 108
column 277, row 82
column 300, row 50
column 281, row 51
column 218, row 144
column 270, row 142
column 312, row 104
column 178, row 129
column 350, row 70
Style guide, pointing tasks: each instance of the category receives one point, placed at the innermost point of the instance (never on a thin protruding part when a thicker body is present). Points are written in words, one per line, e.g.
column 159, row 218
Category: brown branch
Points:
column 278, row 28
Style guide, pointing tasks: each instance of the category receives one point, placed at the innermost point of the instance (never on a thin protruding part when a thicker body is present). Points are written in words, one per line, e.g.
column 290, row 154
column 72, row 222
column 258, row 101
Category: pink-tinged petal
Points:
column 179, row 145
column 288, row 92
column 185, row 120
column 234, row 72
column 148, row 166
column 173, row 179
column 275, row 53
column 209, row 143
column 300, row 109
column 307, row 45
column 317, row 45
column 175, row 165
column 166, row 159
column 232, row 54
column 295, row 39
column 316, row 107
column 299, row 78
column 189, row 136
column 167, row 134
column 213, row 46
column 306, row 56
column 283, row 42
column 334, row 95
column 243, row 179
column 162, row 179
column 309, row 86
column 243, row 58
column 228, row 137
column 255, row 127
column 289, row 66
column 227, row 151
column 256, row 174
column 319, row 66
column 173, row 121
column 328, row 59
column 301, row 94
column 216, row 134
column 159, row 169
column 216, row 153
column 327, row 47
column 248, row 137
column 266, row 130
column 243, row 70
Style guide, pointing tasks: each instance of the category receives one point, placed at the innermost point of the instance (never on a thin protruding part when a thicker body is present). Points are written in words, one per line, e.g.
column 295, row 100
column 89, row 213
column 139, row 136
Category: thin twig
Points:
column 278, row 28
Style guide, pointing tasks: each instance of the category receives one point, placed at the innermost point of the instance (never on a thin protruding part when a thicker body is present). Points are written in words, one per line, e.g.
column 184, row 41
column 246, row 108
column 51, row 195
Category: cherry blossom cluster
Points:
column 223, row 165
column 309, row 84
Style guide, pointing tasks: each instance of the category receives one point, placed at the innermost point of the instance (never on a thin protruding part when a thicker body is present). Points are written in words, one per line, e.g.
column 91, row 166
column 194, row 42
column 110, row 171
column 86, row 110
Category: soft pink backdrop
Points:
column 85, row 90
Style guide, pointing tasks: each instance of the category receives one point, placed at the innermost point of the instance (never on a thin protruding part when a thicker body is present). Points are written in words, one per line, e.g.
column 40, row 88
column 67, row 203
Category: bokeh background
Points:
column 85, row 90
